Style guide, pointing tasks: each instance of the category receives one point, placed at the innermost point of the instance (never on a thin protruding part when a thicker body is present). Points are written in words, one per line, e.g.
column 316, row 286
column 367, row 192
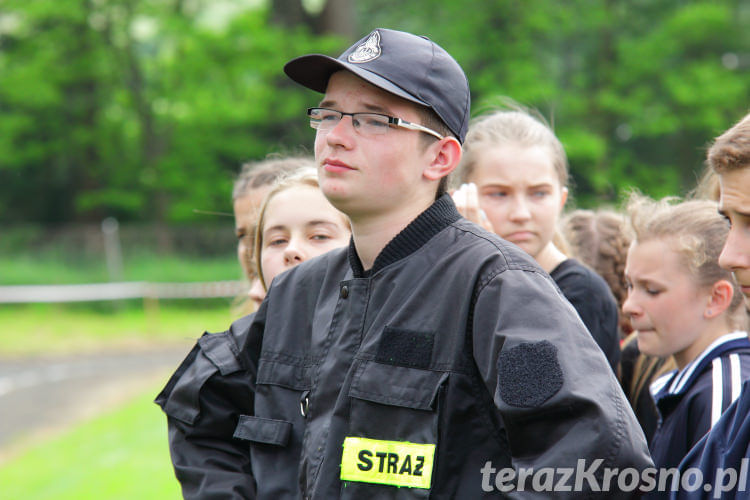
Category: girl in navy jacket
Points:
column 683, row 304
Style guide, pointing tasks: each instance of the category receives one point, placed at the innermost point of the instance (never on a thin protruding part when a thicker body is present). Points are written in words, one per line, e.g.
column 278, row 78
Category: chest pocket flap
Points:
column 397, row 385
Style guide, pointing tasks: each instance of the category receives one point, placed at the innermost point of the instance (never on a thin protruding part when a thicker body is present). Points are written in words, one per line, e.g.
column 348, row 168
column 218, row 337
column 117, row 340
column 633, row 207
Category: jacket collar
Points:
column 675, row 383
column 441, row 214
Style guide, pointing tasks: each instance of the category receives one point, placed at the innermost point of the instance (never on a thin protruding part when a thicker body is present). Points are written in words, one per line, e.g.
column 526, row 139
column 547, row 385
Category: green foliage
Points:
column 138, row 109
column 144, row 109
column 635, row 89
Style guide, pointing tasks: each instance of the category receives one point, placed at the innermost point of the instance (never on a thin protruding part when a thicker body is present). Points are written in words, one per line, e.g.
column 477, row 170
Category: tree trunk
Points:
column 337, row 18
column 289, row 13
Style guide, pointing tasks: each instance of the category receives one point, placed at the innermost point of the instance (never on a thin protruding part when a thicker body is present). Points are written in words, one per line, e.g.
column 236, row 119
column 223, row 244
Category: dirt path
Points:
column 42, row 396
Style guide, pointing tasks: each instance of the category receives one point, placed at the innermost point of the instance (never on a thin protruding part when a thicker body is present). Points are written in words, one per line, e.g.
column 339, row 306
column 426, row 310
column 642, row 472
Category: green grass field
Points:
column 53, row 269
column 122, row 454
column 57, row 328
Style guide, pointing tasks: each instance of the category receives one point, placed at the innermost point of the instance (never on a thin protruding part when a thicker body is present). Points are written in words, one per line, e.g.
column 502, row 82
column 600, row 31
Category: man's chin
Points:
column 334, row 189
column 338, row 197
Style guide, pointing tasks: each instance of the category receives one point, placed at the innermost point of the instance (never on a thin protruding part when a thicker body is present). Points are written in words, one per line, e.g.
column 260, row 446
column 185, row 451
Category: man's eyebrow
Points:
column 375, row 108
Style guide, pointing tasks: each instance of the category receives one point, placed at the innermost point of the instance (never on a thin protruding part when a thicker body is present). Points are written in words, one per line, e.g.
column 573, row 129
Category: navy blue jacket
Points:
column 726, row 447
column 691, row 401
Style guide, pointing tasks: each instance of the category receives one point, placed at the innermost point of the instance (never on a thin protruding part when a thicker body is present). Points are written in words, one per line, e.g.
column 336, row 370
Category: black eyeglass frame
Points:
column 392, row 120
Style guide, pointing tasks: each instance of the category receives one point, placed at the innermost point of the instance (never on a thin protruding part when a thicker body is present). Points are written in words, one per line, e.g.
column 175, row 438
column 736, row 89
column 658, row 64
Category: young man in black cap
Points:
column 430, row 359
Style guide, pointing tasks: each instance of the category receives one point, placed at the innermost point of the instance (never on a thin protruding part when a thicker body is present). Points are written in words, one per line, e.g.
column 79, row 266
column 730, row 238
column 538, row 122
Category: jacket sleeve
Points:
column 557, row 397
column 203, row 401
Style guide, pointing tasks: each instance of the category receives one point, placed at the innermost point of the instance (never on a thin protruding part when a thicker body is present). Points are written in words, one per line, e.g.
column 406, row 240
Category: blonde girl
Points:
column 515, row 173
column 600, row 239
column 295, row 223
column 682, row 304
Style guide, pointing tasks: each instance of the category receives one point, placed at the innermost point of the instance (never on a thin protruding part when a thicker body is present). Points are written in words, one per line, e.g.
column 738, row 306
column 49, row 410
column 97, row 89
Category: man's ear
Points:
column 443, row 156
column 720, row 299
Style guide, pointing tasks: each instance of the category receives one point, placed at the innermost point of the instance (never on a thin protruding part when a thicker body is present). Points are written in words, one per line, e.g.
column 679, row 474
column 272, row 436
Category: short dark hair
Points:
column 430, row 119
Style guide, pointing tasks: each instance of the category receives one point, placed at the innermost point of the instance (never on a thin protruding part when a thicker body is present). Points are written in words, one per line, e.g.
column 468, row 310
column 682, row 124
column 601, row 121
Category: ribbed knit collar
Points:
column 437, row 217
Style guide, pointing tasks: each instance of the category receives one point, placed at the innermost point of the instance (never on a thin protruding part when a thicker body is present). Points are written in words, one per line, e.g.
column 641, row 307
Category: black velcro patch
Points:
column 405, row 347
column 529, row 374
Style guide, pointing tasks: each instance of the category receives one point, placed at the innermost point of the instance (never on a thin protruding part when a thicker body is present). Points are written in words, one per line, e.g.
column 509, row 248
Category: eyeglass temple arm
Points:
column 414, row 126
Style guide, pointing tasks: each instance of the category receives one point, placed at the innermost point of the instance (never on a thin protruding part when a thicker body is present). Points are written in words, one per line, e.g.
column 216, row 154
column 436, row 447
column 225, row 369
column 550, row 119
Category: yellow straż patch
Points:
column 396, row 463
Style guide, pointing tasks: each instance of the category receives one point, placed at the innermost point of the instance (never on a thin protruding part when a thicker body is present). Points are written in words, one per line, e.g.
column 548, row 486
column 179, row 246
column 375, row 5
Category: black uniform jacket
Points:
column 455, row 352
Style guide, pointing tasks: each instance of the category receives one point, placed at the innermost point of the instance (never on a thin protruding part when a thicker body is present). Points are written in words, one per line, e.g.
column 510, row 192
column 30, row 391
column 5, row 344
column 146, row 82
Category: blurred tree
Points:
column 52, row 85
column 289, row 13
column 144, row 109
column 332, row 17
column 140, row 109
column 635, row 89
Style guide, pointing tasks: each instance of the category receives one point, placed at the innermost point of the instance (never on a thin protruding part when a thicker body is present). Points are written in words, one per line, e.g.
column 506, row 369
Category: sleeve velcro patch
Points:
column 529, row 374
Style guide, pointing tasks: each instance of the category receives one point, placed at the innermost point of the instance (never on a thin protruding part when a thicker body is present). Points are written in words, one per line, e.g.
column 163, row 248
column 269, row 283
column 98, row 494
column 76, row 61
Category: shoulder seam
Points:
column 509, row 263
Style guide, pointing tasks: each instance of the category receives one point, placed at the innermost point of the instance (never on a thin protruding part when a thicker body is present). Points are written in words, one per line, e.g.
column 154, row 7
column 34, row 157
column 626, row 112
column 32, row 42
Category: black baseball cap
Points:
column 408, row 66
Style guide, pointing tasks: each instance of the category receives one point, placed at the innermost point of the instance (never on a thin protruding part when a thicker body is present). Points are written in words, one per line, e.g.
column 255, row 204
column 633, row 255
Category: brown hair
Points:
column 600, row 240
column 300, row 177
column 731, row 150
column 696, row 232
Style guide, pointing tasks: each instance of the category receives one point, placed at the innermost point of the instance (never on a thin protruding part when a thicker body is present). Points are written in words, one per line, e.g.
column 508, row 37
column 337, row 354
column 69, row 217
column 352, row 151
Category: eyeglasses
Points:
column 324, row 119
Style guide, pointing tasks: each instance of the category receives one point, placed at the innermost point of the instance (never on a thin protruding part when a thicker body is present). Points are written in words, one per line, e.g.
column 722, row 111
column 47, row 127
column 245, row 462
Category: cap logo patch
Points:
column 367, row 50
